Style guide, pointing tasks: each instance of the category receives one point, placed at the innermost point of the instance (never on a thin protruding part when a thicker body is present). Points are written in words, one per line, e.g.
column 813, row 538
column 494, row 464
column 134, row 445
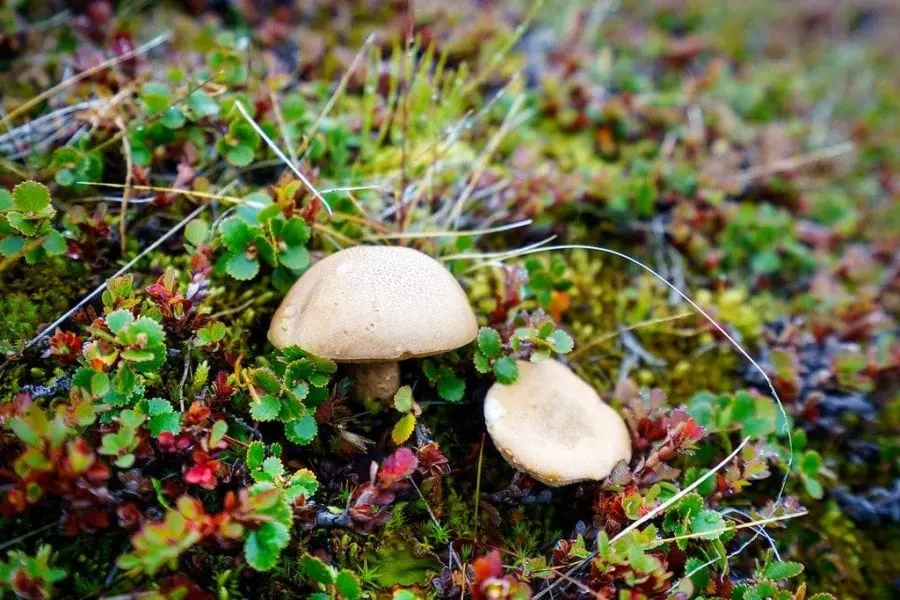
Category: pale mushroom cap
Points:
column 554, row 426
column 375, row 303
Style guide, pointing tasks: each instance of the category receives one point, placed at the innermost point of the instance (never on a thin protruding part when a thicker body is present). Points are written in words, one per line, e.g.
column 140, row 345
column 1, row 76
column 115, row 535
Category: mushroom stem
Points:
column 379, row 380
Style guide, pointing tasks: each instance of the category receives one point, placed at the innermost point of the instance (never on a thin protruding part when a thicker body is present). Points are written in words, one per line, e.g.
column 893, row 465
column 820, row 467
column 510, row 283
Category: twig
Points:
column 614, row 334
column 154, row 188
column 282, row 127
column 126, row 193
column 499, row 255
column 281, row 155
column 25, row 536
column 85, row 74
column 631, row 343
column 795, row 162
column 478, row 485
column 654, row 512
column 498, row 56
column 435, row 234
column 337, row 93
column 231, row 311
column 130, row 264
column 427, row 507
column 184, row 374
column 492, row 145
column 751, row 524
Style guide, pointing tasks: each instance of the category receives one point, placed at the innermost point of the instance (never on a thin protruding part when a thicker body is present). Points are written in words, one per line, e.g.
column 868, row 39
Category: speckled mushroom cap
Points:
column 375, row 303
column 554, row 426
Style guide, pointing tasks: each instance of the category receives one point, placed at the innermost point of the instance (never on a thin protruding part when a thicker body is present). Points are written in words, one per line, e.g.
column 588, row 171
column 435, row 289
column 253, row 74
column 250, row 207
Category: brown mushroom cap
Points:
column 554, row 426
column 375, row 303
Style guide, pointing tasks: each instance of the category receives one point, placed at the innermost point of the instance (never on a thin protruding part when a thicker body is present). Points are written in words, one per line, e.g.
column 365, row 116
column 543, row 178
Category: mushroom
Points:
column 553, row 425
column 374, row 306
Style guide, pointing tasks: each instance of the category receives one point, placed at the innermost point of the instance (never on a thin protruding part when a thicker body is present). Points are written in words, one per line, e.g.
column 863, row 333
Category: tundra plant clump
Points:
column 328, row 300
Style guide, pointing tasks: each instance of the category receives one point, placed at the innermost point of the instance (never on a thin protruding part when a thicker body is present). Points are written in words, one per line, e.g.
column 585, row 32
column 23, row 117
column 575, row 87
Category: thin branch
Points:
column 614, row 334
column 85, row 74
column 505, row 128
column 25, row 536
column 795, row 162
column 448, row 233
column 282, row 127
column 721, row 530
column 337, row 93
column 126, row 193
column 281, row 155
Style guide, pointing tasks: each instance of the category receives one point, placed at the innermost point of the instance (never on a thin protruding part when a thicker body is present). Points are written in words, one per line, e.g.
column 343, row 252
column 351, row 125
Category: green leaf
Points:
column 242, row 268
column 218, row 431
column 201, row 104
column 173, row 118
column 316, row 569
column 813, row 487
column 273, row 466
column 450, row 387
column 153, row 332
column 156, row 97
column 138, row 356
column 265, row 249
column 267, row 380
column 196, row 232
column 303, row 430
column 236, row 233
column 782, row 570
column 266, row 409
column 170, row 422
column 11, row 244
column 54, row 243
column 700, row 578
column 31, row 197
column 25, row 432
column 757, row 415
column 811, row 463
column 99, row 384
column 295, row 232
column 482, row 363
column 159, row 406
column 404, row 428
column 561, row 342
column 255, row 454
column 708, row 524
column 489, row 342
column 348, row 585
column 20, row 223
column 6, row 200
column 65, row 177
column 506, row 370
column 294, row 257
column 403, row 399
column 264, row 545
column 240, row 156
column 302, row 483
column 211, row 333
column 118, row 319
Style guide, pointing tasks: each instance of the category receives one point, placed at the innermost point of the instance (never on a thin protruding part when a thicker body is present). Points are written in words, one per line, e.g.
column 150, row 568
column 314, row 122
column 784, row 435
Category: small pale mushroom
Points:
column 374, row 306
column 553, row 425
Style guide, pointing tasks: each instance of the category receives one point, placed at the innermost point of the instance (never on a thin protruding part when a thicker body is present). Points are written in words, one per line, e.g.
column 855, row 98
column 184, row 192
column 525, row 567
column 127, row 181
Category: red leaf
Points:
column 486, row 567
column 398, row 466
